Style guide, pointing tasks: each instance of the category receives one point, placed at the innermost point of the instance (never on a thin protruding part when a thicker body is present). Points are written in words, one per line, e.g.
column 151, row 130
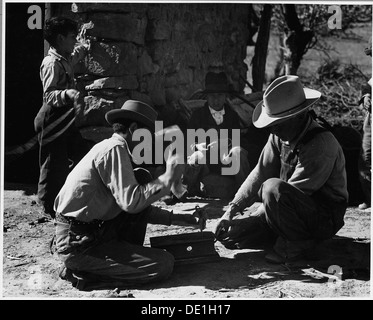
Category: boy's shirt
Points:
column 57, row 75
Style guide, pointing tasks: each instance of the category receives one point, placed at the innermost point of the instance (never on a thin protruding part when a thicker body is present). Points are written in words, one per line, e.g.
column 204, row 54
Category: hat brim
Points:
column 261, row 119
column 114, row 115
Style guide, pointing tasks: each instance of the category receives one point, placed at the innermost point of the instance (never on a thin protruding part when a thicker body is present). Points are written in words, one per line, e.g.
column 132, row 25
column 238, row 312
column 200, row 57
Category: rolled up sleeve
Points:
column 116, row 172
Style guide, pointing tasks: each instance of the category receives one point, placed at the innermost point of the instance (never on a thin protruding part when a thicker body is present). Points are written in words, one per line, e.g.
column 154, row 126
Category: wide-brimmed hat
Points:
column 133, row 110
column 284, row 98
column 216, row 83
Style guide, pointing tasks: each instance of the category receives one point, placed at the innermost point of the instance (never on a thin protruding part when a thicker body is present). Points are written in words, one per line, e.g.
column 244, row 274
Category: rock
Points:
column 183, row 77
column 78, row 7
column 124, row 82
column 159, row 30
column 109, row 94
column 145, row 65
column 118, row 27
column 156, row 90
column 111, row 59
column 97, row 133
column 135, row 95
column 95, row 109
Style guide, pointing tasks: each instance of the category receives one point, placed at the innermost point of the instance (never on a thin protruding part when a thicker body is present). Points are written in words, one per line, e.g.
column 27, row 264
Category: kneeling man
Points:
column 103, row 209
column 300, row 180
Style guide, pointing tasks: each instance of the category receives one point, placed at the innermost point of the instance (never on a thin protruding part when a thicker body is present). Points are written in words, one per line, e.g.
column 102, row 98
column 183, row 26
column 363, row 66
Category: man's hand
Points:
column 221, row 228
column 225, row 222
column 72, row 95
column 174, row 169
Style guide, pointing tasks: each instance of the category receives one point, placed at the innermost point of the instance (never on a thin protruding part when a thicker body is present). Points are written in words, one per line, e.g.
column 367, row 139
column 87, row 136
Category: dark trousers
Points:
column 112, row 254
column 56, row 160
column 288, row 219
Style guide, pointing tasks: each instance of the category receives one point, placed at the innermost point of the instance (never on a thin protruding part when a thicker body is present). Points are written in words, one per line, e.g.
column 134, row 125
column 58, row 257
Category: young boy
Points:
column 60, row 141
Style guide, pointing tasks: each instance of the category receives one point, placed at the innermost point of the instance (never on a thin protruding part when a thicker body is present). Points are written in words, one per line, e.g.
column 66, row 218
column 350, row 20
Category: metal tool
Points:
column 201, row 217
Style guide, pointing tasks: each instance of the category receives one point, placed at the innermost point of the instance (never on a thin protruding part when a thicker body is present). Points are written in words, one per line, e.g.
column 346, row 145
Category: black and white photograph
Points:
column 195, row 151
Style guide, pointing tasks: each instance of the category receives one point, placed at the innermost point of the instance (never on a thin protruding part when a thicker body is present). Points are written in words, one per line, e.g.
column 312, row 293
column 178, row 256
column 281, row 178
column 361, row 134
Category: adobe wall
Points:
column 157, row 53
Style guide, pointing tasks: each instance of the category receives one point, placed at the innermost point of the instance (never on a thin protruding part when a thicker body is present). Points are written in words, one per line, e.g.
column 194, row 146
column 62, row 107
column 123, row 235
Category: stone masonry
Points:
column 157, row 53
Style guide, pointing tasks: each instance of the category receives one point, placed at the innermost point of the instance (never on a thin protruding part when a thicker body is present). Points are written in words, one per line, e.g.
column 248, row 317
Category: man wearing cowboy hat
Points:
column 104, row 206
column 216, row 114
column 300, row 180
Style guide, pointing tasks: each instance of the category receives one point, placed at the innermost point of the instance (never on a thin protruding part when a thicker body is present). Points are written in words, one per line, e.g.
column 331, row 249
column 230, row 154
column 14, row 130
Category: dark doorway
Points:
column 24, row 52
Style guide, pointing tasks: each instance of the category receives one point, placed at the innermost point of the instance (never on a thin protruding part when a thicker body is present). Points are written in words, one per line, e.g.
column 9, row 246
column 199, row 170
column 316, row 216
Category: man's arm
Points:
column 51, row 75
column 316, row 163
column 268, row 166
column 116, row 172
column 79, row 53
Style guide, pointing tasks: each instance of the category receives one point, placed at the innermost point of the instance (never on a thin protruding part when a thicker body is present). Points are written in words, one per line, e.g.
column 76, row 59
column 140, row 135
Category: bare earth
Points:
column 31, row 271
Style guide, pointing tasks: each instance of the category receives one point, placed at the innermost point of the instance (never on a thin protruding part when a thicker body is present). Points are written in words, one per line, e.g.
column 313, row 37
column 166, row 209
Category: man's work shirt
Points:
column 57, row 75
column 103, row 184
column 217, row 115
column 320, row 168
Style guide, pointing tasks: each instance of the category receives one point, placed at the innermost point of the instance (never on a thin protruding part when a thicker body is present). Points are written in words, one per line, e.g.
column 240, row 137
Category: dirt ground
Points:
column 31, row 271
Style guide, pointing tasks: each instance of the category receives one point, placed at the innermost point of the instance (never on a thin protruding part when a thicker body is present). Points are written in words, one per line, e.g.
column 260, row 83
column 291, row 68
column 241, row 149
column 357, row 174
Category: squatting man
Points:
column 299, row 180
column 103, row 209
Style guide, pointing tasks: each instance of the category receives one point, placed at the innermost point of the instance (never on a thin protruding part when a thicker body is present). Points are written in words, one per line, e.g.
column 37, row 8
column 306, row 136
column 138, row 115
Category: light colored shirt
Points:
column 320, row 167
column 217, row 115
column 57, row 75
column 103, row 184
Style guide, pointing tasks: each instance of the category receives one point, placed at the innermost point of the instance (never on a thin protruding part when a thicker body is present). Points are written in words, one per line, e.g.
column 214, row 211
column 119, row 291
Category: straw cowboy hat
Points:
column 283, row 99
column 216, row 83
column 133, row 110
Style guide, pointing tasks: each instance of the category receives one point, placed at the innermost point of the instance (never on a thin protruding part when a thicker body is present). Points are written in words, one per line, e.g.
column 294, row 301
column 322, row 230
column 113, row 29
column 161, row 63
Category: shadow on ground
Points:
column 341, row 257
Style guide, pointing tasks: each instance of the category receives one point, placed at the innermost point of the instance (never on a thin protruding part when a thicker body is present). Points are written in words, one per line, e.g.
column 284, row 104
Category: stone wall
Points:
column 157, row 53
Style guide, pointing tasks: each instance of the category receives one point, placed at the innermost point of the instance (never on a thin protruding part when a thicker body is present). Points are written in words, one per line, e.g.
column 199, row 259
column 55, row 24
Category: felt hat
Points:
column 216, row 83
column 283, row 99
column 133, row 110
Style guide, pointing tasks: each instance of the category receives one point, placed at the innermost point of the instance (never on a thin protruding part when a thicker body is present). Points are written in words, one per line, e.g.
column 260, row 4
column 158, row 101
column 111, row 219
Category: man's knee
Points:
column 271, row 188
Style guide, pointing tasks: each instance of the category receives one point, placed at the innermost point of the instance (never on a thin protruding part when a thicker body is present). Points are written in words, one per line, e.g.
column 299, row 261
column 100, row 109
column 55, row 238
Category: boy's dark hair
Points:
column 121, row 125
column 58, row 25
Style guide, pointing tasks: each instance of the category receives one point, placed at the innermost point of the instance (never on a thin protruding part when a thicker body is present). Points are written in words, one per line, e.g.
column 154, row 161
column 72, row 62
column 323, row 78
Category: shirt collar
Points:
column 53, row 52
column 293, row 143
column 213, row 111
column 121, row 139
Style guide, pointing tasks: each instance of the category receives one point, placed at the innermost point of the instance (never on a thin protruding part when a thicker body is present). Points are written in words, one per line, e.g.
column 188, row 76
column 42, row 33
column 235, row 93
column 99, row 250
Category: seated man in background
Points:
column 300, row 180
column 104, row 206
column 217, row 115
